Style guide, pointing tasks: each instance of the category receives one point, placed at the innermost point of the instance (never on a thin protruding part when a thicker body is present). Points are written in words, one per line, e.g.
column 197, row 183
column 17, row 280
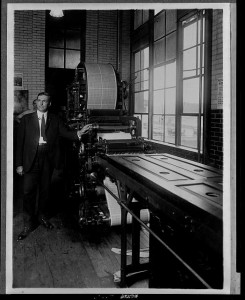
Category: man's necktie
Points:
column 43, row 134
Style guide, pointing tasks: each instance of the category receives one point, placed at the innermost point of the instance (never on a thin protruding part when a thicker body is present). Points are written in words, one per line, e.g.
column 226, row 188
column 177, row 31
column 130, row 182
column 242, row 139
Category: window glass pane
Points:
column 137, row 87
column 56, row 38
column 203, row 56
column 158, row 74
column 144, row 123
column 137, row 77
column 141, row 102
column 198, row 60
column 56, row 58
column 156, row 11
column 137, row 61
column 144, row 75
column 159, row 26
column 145, row 58
column 189, row 36
column 145, row 85
column 189, row 73
column 158, row 127
column 199, row 32
column 145, row 15
column 72, row 59
column 189, row 61
column 203, row 32
column 170, row 101
column 201, row 148
column 73, row 18
column 158, row 102
column 171, row 46
column 171, row 20
column 191, row 95
column 189, row 131
column 137, row 18
column 170, row 129
column 146, row 100
column 159, row 51
column 170, row 75
column 73, row 39
column 202, row 102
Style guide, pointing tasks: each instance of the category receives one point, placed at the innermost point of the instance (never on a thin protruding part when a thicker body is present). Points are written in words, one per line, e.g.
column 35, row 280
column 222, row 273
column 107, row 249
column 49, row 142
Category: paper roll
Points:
column 115, row 209
column 101, row 86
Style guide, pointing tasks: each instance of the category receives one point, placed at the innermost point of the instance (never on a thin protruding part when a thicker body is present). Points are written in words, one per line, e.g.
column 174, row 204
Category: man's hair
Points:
column 43, row 94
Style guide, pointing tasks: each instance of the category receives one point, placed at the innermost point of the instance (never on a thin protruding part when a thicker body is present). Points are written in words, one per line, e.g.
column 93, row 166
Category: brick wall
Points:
column 91, row 54
column 216, row 138
column 125, row 45
column 102, row 40
column 29, row 50
column 101, row 45
column 101, row 37
column 217, row 55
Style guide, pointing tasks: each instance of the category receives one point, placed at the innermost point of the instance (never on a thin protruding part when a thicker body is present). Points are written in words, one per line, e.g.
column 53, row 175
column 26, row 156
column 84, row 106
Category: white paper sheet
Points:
column 115, row 209
column 114, row 135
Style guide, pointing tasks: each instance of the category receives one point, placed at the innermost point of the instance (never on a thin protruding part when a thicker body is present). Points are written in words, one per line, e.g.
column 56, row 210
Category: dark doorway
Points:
column 57, row 81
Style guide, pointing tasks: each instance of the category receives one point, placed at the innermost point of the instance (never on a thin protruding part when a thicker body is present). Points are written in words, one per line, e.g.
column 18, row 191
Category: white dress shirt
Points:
column 40, row 115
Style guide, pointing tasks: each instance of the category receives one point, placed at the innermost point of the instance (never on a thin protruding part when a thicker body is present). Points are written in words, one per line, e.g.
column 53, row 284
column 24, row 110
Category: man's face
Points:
column 42, row 103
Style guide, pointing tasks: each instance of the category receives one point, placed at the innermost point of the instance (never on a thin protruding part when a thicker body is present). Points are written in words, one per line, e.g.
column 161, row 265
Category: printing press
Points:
column 178, row 201
column 96, row 97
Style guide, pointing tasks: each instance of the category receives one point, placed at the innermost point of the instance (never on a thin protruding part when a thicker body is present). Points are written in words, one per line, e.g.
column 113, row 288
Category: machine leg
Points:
column 136, row 239
column 123, row 246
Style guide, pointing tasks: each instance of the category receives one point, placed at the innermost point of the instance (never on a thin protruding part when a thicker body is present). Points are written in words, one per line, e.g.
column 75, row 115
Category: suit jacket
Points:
column 28, row 138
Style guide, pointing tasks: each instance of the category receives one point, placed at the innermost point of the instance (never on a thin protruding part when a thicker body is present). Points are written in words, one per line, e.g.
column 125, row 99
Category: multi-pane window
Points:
column 164, row 77
column 64, row 40
column 65, row 49
column 192, row 74
column 170, row 104
column 141, row 88
column 140, row 17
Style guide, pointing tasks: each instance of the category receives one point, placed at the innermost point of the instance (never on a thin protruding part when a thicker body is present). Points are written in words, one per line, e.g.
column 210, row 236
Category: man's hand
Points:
column 84, row 130
column 19, row 170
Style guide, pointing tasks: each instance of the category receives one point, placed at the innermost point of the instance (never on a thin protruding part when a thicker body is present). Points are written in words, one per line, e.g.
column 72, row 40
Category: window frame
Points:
column 202, row 156
column 141, row 90
column 65, row 26
column 205, row 115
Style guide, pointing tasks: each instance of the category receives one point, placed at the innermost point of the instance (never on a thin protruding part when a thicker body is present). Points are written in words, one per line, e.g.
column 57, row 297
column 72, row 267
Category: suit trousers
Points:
column 37, row 179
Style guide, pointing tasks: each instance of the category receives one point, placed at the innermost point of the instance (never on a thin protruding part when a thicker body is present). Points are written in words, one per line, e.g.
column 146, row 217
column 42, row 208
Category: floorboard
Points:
column 67, row 257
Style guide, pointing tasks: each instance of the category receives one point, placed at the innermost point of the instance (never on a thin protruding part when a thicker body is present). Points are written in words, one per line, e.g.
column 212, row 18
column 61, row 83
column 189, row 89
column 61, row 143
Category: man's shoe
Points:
column 46, row 223
column 26, row 231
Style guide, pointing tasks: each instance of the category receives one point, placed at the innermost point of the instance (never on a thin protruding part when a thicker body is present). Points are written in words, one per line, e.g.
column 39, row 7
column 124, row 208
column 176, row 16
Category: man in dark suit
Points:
column 36, row 157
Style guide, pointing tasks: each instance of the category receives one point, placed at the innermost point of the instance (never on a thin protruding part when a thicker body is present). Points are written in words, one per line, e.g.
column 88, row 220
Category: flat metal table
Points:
column 185, row 192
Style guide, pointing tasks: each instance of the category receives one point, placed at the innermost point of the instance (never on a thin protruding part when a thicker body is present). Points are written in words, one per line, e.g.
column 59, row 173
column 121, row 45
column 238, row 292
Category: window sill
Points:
column 172, row 146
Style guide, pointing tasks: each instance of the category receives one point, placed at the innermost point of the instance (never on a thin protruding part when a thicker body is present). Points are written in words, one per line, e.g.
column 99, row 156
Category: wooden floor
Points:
column 67, row 257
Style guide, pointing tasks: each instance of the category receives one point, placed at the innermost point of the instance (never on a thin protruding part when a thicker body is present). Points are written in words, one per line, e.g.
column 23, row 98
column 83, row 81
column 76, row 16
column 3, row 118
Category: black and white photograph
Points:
column 119, row 148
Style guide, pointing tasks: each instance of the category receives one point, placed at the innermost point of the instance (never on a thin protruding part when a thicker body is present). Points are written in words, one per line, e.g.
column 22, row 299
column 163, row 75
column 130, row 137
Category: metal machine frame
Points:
column 184, row 197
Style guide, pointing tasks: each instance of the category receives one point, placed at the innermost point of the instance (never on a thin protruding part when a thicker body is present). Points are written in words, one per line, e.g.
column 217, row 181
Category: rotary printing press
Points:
column 184, row 198
column 97, row 96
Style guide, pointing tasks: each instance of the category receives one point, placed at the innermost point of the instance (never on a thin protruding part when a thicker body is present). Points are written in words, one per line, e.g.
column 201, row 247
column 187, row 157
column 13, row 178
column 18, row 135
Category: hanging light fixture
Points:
column 57, row 13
